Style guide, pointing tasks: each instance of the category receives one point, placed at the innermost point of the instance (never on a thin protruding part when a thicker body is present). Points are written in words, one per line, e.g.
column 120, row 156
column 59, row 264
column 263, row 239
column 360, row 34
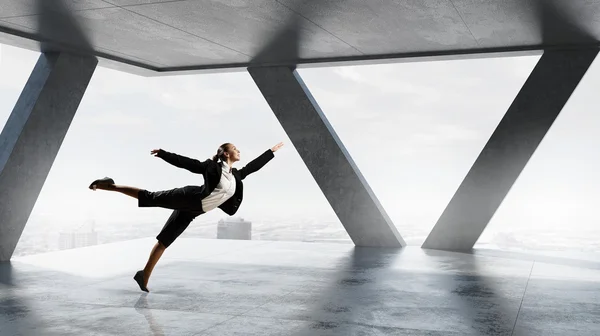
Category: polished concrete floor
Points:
column 221, row 287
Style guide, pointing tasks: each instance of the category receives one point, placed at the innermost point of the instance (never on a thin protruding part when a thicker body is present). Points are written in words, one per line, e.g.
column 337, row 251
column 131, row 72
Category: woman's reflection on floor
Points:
column 141, row 306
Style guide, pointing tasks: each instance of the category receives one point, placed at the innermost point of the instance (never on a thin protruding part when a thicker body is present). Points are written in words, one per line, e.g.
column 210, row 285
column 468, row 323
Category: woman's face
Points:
column 232, row 153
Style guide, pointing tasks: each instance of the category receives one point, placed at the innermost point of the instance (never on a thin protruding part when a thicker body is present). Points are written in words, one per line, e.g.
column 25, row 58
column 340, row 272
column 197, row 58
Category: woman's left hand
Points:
column 276, row 147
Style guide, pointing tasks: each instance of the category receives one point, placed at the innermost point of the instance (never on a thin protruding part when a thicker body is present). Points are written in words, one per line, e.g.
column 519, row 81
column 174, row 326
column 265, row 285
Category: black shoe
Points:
column 102, row 181
column 139, row 278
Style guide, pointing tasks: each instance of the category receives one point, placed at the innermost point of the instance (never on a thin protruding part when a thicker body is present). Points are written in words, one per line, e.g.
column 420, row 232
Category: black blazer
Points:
column 211, row 171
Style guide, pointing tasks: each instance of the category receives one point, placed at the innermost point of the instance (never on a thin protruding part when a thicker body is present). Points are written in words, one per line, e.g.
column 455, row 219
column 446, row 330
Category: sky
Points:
column 414, row 130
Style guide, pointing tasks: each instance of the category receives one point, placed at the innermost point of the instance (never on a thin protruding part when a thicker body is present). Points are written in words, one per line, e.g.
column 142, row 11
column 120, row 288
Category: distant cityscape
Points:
column 42, row 239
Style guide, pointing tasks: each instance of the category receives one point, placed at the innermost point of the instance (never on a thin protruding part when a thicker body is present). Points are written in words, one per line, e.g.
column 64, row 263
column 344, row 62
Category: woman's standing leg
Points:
column 174, row 227
column 155, row 254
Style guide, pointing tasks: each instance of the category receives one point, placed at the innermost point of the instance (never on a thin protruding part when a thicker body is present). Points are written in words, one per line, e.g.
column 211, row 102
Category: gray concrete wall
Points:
column 33, row 135
column 327, row 159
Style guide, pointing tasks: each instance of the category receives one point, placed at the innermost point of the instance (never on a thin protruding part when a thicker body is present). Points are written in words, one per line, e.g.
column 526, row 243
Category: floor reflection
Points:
column 17, row 313
column 490, row 302
column 142, row 307
column 356, row 281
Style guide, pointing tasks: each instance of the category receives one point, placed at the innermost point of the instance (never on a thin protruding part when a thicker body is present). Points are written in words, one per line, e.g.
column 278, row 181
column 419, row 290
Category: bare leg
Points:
column 155, row 255
column 126, row 190
column 142, row 276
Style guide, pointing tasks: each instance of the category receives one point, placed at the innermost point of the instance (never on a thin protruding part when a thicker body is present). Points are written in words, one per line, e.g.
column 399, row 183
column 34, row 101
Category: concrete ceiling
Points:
column 152, row 37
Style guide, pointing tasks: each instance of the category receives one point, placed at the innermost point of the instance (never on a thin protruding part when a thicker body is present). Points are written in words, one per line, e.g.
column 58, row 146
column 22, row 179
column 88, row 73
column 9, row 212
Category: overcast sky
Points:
column 413, row 129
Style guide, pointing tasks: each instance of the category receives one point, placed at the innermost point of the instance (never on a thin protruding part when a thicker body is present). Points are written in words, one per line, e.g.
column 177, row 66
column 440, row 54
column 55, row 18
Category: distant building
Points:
column 83, row 236
column 234, row 228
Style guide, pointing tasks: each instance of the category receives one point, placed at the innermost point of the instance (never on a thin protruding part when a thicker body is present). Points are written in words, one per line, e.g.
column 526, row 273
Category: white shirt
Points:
column 224, row 190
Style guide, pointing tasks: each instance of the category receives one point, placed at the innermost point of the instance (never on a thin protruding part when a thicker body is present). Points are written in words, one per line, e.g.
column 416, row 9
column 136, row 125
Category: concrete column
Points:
column 514, row 141
column 333, row 169
column 33, row 135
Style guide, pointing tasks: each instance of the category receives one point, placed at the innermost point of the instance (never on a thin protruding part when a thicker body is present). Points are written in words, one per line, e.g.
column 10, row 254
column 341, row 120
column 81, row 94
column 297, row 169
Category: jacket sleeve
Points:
column 254, row 165
column 183, row 162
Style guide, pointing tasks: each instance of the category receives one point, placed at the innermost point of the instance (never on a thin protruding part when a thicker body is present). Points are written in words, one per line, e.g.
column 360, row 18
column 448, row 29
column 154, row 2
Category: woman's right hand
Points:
column 155, row 152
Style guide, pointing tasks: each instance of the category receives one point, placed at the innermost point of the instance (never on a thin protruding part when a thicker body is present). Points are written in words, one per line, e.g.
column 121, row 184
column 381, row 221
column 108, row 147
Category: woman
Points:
column 222, row 189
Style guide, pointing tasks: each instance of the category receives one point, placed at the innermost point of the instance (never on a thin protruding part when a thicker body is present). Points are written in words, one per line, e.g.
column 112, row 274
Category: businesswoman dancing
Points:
column 222, row 189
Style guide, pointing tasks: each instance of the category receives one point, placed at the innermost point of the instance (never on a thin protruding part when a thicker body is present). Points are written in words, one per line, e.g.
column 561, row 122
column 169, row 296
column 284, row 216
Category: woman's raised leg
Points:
column 109, row 184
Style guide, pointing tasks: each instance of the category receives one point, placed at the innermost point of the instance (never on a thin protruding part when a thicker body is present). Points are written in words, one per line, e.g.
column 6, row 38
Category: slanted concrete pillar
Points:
column 510, row 147
column 327, row 159
column 33, row 135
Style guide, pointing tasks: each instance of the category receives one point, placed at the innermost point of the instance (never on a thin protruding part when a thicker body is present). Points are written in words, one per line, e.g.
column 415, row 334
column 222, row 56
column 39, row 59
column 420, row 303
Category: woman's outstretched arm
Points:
column 183, row 162
column 256, row 164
